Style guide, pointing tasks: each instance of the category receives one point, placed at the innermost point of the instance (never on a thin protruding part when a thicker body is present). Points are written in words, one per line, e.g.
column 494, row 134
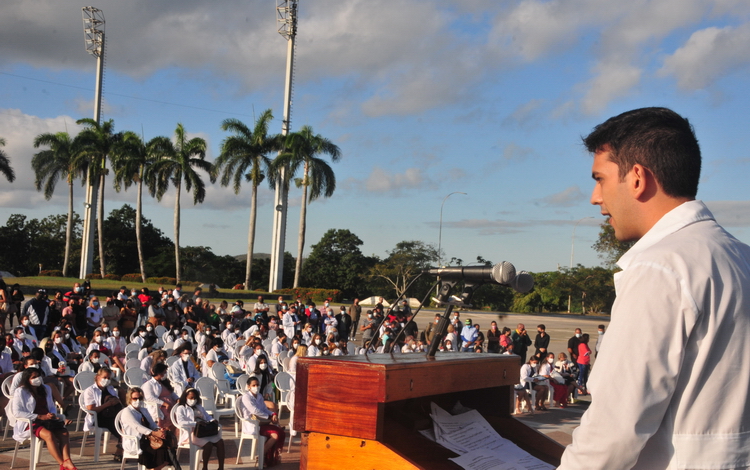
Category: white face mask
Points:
column 136, row 404
column 551, row 360
column 578, row 335
column 148, row 328
column 318, row 341
column 25, row 323
column 263, row 366
column 58, row 340
column 22, row 336
column 191, row 401
column 116, row 333
column 254, row 390
column 185, row 337
column 104, row 383
column 98, row 339
column 105, row 329
column 67, row 335
column 185, row 357
column 95, row 360
column 142, row 334
column 36, row 381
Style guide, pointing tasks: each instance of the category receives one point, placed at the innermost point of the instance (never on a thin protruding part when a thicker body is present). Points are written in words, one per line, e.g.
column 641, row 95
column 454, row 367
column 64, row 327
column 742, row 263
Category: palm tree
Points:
column 131, row 158
column 95, row 144
column 302, row 149
column 5, row 167
column 175, row 163
column 53, row 165
column 243, row 156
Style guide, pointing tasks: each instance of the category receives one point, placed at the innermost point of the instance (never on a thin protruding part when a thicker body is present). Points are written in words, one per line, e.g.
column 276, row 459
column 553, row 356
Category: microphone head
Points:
column 504, row 272
column 523, row 282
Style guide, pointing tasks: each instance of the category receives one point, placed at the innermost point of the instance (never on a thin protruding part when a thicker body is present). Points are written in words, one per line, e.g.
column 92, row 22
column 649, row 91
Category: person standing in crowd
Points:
column 599, row 340
column 37, row 309
column 684, row 292
column 355, row 311
column 573, row 343
column 493, row 338
column 521, row 341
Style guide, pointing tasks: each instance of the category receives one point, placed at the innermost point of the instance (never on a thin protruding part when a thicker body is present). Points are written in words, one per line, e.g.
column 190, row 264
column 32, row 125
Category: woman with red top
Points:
column 584, row 363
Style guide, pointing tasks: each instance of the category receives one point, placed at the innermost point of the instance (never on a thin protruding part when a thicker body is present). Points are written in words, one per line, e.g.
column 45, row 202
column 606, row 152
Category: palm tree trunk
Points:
column 100, row 225
column 138, row 218
column 177, row 232
column 251, row 237
column 302, row 227
column 68, row 228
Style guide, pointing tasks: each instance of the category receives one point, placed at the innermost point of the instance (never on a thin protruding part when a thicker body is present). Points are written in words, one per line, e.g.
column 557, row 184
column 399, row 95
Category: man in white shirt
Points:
column 683, row 294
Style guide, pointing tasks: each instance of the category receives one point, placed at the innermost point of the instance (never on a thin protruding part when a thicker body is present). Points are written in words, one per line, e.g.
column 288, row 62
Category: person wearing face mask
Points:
column 98, row 344
column 25, row 323
column 278, row 345
column 60, row 353
column 288, row 320
column 182, row 373
column 102, row 399
column 573, row 343
column 530, row 379
column 493, row 338
column 258, row 352
column 183, row 340
column 253, row 408
column 599, row 340
column 330, row 323
column 33, row 400
column 584, row 363
column 116, row 345
column 155, row 357
column 188, row 413
column 139, row 336
column 368, row 328
column 265, row 376
column 547, row 370
column 214, row 355
column 313, row 350
column 23, row 344
column 94, row 315
column 37, row 309
column 54, row 367
column 92, row 363
column 307, row 335
column 110, row 313
column 452, row 338
column 138, row 421
column 159, row 394
column 128, row 317
column 301, row 352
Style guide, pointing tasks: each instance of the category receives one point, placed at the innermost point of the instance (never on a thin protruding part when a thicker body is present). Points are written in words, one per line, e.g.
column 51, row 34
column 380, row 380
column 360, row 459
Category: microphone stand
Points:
column 444, row 297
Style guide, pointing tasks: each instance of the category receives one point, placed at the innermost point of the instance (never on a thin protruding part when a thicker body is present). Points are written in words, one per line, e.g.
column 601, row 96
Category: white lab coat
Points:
column 683, row 297
column 151, row 391
column 131, row 426
column 252, row 405
column 184, row 417
column 178, row 377
column 93, row 396
column 22, row 406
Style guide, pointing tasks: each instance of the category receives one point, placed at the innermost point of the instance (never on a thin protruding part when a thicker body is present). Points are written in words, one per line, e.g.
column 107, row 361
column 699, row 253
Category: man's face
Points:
column 614, row 198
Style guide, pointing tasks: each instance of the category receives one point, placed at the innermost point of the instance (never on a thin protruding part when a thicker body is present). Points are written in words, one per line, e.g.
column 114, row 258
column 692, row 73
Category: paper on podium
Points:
column 487, row 460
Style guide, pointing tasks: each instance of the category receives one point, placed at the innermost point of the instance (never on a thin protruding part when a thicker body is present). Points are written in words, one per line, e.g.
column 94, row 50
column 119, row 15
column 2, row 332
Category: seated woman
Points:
column 156, row 357
column 183, row 373
column 301, row 352
column 252, row 406
column 33, row 400
column 138, row 422
column 159, row 395
column 313, row 348
column 547, row 370
column 116, row 345
column 58, row 367
column 530, row 380
column 98, row 343
column 264, row 374
column 188, row 412
column 91, row 363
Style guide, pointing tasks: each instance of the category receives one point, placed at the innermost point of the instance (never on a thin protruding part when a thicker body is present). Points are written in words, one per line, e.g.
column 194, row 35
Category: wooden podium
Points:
column 365, row 413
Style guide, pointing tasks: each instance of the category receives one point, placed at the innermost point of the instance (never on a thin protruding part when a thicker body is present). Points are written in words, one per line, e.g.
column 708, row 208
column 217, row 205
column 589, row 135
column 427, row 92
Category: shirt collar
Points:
column 678, row 218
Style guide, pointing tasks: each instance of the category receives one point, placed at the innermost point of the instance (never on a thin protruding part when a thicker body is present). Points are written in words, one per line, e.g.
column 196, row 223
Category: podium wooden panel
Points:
column 365, row 413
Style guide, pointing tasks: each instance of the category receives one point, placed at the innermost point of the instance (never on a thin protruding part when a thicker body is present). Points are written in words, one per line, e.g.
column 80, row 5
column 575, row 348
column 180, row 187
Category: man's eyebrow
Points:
column 594, row 174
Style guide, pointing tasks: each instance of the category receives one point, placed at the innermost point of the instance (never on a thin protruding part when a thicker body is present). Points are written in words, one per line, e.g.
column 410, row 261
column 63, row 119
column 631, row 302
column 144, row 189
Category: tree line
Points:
column 163, row 164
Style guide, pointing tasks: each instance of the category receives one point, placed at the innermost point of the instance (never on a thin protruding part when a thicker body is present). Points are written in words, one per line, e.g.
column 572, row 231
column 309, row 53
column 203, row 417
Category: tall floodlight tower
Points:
column 286, row 16
column 93, row 33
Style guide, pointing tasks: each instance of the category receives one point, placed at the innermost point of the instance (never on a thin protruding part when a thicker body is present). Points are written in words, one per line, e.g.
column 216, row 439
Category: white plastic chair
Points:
column 190, row 330
column 532, row 399
column 35, row 444
column 135, row 377
column 6, row 392
column 98, row 433
column 285, row 384
column 225, row 390
column 171, row 360
column 160, row 330
column 207, row 389
column 125, row 437
column 292, row 432
column 130, row 363
column 260, row 441
column 132, row 347
column 271, row 334
column 285, row 363
column 82, row 381
column 241, row 383
column 195, row 451
column 267, row 343
column 351, row 348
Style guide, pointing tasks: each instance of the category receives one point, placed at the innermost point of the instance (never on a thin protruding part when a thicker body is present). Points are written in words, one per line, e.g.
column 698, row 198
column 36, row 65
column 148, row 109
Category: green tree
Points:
column 5, row 167
column 52, row 165
column 406, row 261
column 263, row 271
column 94, row 146
column 175, row 164
column 243, row 157
column 29, row 243
column 131, row 158
column 121, row 244
column 610, row 249
column 336, row 262
column 302, row 150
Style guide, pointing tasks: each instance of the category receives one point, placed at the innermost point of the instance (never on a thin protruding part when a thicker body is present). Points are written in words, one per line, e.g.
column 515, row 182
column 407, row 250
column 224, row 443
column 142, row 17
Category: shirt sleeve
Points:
column 654, row 306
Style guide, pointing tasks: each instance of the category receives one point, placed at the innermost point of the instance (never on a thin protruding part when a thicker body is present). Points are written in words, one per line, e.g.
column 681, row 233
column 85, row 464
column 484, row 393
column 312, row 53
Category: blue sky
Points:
column 424, row 98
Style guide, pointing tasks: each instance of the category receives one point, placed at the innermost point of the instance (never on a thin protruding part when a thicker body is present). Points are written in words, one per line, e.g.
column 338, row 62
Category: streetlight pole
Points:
column 440, row 233
column 93, row 32
column 572, row 251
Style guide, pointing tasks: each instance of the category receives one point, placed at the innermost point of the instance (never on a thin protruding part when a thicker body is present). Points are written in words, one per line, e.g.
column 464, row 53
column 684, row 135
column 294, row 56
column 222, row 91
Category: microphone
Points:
column 503, row 273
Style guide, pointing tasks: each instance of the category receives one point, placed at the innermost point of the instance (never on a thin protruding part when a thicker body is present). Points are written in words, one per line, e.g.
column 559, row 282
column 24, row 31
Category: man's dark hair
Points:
column 657, row 138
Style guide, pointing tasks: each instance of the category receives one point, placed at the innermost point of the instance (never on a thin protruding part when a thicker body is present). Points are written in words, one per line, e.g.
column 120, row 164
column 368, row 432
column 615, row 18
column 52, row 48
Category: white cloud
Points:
column 568, row 197
column 731, row 213
column 613, row 80
column 708, row 55
column 381, row 181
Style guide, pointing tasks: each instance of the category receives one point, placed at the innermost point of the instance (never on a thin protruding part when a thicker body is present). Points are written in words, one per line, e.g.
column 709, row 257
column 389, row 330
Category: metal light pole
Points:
column 287, row 18
column 93, row 33
column 440, row 234
column 572, row 251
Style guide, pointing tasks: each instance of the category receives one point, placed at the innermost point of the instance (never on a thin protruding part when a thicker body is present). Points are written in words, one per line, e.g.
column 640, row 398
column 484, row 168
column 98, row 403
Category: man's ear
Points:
column 639, row 180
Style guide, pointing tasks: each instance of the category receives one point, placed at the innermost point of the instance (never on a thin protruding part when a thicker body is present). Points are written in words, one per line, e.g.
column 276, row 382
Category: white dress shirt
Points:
column 683, row 296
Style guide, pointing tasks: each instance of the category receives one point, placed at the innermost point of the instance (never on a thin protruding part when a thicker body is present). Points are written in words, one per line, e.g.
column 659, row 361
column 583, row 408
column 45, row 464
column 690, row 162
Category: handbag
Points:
column 51, row 424
column 155, row 442
column 206, row 428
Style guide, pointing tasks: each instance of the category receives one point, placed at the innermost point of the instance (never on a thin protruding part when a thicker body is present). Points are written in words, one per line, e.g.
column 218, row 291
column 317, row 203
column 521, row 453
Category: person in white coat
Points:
column 139, row 423
column 183, row 373
column 159, row 395
column 289, row 321
column 253, row 408
column 102, row 399
column 188, row 412
column 33, row 400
